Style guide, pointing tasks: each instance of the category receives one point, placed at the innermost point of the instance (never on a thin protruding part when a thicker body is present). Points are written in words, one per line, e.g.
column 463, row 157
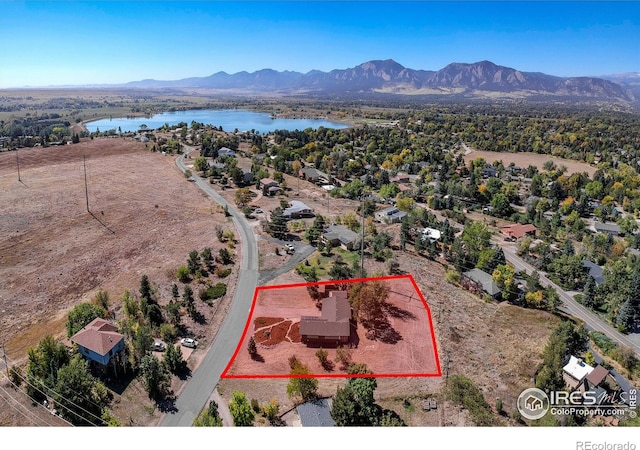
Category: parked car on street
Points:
column 289, row 248
column 188, row 342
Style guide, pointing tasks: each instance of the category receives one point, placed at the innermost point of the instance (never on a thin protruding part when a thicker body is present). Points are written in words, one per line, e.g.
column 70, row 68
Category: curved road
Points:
column 205, row 378
column 570, row 305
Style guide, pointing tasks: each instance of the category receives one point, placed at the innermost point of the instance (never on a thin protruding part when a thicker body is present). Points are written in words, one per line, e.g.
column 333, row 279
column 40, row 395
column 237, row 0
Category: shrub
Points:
column 223, row 273
column 255, row 405
column 216, row 291
column 168, row 332
column 183, row 274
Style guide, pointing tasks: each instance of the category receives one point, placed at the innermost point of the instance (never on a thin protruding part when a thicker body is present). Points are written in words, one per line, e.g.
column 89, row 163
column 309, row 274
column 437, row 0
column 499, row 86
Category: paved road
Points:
column 198, row 390
column 302, row 252
column 570, row 305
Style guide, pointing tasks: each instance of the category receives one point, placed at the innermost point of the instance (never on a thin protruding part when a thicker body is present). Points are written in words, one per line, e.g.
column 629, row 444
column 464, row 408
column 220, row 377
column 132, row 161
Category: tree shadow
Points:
column 380, row 329
column 398, row 313
column 328, row 365
column 167, row 404
column 257, row 357
column 184, row 373
column 199, row 318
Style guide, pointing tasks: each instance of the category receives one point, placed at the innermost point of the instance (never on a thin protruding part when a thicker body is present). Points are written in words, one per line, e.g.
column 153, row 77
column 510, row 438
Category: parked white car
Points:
column 289, row 248
column 158, row 346
column 188, row 342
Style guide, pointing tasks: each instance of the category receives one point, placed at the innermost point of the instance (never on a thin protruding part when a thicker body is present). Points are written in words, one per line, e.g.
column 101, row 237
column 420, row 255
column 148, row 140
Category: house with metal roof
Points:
column 333, row 326
column 595, row 271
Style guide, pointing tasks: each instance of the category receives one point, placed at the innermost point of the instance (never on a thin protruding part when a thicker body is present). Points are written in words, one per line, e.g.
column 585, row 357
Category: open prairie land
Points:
column 144, row 219
column 525, row 159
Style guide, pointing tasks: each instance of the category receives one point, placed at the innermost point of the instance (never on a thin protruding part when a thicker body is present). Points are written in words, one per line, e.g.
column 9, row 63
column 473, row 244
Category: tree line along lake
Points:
column 229, row 120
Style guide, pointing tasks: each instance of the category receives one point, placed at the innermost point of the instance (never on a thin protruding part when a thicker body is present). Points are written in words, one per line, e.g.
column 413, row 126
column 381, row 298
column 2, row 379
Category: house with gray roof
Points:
column 341, row 236
column 595, row 271
column 606, row 227
column 316, row 413
column 296, row 210
column 390, row 215
column 482, row 281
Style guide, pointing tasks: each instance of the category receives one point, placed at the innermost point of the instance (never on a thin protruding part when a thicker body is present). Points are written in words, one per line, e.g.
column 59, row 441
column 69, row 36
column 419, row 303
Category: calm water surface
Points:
column 229, row 120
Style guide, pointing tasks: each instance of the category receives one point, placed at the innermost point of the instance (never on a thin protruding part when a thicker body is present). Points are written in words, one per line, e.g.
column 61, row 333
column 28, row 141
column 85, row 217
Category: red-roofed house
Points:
column 518, row 230
column 333, row 327
column 99, row 341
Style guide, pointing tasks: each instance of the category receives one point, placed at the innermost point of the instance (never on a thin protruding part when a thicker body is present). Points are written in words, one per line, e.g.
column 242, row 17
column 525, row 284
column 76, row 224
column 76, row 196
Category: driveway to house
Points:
column 200, row 387
column 302, row 252
column 570, row 305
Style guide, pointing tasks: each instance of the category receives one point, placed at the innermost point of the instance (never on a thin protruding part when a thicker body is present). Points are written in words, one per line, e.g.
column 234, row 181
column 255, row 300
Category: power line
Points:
column 55, row 394
column 8, row 397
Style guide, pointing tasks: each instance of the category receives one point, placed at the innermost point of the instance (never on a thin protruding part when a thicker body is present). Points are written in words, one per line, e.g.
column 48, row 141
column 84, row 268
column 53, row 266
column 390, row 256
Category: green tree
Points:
column 142, row 342
column 277, row 226
column 501, row 206
column 75, row 393
column 44, row 361
column 301, row 385
column 102, row 299
column 200, row 164
column 252, row 348
column 154, row 376
column 242, row 197
column 241, row 410
column 145, row 287
column 210, row 417
column 183, row 274
column 193, row 263
column 82, row 315
column 625, row 318
column 174, row 360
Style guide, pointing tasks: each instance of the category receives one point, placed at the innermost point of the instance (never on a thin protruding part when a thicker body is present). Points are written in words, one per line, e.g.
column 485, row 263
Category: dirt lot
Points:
column 525, row 159
column 277, row 311
column 53, row 254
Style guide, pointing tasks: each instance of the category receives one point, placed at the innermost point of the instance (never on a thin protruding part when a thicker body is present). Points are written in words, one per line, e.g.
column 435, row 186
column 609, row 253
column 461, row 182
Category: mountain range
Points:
column 480, row 79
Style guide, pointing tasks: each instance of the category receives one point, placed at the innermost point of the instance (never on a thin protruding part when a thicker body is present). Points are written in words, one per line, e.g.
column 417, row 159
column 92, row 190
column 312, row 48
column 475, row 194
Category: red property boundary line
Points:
column 225, row 374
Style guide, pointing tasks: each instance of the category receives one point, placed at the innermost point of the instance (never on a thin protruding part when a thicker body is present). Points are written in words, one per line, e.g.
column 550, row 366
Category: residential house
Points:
column 518, row 231
column 296, row 210
column 312, row 174
column 341, row 236
column 595, row 271
column 333, row 326
column 489, row 171
column 269, row 186
column 400, row 178
column 430, row 234
column 390, row 215
column 99, row 342
column 610, row 228
column 224, row 151
column 574, row 373
column 247, row 176
column 216, row 165
column 316, row 413
column 481, row 281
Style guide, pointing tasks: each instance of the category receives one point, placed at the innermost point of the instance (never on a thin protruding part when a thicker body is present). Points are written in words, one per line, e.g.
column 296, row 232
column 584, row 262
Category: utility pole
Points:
column 447, row 360
column 86, row 192
column 18, row 163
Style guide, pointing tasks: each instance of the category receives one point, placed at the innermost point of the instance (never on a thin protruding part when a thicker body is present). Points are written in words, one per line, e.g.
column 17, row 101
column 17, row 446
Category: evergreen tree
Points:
column 277, row 226
column 625, row 318
column 145, row 288
column 589, row 292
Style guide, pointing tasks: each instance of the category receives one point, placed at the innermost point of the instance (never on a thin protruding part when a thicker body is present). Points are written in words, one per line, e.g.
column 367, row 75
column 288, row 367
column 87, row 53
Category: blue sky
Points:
column 62, row 42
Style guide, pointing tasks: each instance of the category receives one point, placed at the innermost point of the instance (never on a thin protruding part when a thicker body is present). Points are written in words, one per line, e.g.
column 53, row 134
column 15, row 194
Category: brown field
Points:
column 525, row 159
column 410, row 352
column 145, row 218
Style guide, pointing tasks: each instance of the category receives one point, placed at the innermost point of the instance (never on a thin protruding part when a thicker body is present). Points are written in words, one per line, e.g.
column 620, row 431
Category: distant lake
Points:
column 229, row 119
